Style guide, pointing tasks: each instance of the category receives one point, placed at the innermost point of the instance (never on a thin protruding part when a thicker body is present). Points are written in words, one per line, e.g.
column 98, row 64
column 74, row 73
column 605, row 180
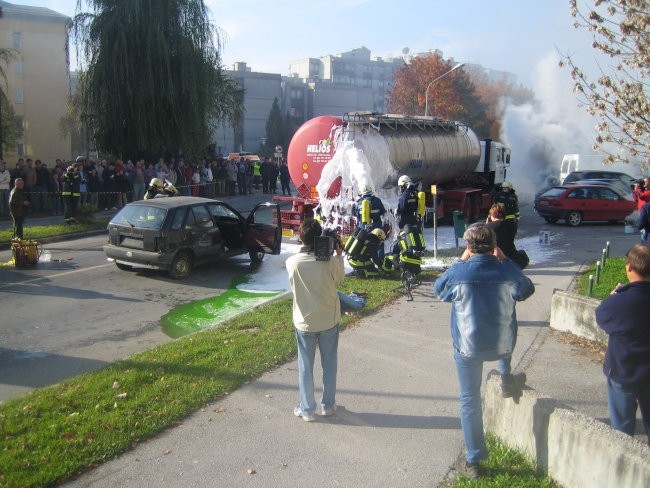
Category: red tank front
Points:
column 311, row 148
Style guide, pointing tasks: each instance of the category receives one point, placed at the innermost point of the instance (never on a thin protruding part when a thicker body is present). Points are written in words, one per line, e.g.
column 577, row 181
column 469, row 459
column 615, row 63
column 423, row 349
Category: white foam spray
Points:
column 540, row 133
column 362, row 160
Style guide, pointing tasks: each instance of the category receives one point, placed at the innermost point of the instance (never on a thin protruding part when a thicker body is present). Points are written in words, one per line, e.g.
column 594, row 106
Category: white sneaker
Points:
column 326, row 412
column 306, row 417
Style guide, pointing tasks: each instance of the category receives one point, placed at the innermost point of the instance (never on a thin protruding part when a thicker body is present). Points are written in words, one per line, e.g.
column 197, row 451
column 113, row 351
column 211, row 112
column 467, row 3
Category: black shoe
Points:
column 472, row 470
column 512, row 384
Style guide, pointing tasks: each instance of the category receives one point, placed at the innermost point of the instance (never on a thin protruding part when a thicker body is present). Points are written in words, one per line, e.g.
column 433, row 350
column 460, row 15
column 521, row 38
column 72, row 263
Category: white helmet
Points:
column 404, row 180
column 507, row 185
column 366, row 190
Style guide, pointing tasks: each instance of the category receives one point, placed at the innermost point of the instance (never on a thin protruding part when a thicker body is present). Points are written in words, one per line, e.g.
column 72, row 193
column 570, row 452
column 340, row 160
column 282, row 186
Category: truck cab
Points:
column 494, row 162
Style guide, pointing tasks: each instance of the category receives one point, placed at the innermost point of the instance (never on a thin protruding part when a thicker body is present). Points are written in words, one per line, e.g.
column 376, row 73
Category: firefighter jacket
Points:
column 407, row 207
column 71, row 184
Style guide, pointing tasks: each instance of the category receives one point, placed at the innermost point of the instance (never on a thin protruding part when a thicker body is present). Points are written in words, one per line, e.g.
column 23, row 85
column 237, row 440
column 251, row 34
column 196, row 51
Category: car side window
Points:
column 179, row 217
column 221, row 211
column 579, row 193
column 607, row 194
column 201, row 217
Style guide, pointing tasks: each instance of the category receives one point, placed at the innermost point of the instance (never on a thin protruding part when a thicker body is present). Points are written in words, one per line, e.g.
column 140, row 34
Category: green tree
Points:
column 619, row 95
column 452, row 96
column 154, row 83
column 276, row 130
column 10, row 132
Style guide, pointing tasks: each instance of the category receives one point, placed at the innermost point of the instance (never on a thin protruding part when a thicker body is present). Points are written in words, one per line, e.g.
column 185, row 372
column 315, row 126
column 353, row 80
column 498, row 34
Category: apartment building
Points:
column 37, row 79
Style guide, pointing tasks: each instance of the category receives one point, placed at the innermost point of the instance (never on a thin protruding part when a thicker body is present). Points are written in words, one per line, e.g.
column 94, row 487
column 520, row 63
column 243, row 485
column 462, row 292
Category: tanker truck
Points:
column 331, row 158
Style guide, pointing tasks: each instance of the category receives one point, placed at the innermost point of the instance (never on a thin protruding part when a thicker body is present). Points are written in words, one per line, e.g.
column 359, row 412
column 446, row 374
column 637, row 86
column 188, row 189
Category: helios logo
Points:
column 323, row 147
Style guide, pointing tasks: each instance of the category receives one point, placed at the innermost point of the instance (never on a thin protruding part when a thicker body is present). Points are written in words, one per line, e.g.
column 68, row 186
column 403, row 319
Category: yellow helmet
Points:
column 157, row 182
column 379, row 233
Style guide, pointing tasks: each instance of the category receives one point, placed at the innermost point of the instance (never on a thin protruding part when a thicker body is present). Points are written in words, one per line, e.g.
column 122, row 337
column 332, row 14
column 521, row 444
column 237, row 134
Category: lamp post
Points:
column 426, row 95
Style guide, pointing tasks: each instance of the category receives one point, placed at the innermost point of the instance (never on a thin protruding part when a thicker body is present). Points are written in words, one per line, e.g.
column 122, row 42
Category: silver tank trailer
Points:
column 427, row 149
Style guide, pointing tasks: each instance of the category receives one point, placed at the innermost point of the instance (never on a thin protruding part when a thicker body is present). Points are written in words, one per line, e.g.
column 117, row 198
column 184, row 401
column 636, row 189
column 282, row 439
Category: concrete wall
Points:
column 573, row 449
column 575, row 313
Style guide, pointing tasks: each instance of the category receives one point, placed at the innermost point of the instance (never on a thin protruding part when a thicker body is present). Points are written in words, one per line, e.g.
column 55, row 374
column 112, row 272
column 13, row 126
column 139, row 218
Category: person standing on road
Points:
column 71, row 182
column 483, row 289
column 644, row 223
column 316, row 317
column 17, row 204
column 5, row 179
column 624, row 317
column 285, row 178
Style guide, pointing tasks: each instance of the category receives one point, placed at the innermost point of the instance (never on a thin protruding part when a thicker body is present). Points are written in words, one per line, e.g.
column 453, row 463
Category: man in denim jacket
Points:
column 483, row 289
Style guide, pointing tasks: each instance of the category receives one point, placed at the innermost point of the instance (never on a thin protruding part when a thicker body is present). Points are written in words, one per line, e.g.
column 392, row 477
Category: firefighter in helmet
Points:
column 369, row 210
column 365, row 252
column 160, row 188
column 406, row 252
column 407, row 206
column 510, row 202
column 508, row 198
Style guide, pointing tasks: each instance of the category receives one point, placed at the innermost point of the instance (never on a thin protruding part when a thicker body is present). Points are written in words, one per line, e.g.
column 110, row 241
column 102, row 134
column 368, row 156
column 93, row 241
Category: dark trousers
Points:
column 70, row 202
column 18, row 225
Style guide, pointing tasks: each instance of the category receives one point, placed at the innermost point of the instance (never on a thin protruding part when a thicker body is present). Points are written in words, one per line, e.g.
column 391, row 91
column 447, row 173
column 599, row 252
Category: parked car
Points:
column 625, row 181
column 583, row 202
column 176, row 233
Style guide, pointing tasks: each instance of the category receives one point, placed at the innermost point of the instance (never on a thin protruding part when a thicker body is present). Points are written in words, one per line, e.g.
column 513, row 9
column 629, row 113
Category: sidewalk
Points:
column 397, row 423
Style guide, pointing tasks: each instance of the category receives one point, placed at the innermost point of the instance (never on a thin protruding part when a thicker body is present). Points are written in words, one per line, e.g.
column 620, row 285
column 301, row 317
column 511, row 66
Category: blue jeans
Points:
column 623, row 401
column 328, row 343
column 350, row 302
column 470, row 374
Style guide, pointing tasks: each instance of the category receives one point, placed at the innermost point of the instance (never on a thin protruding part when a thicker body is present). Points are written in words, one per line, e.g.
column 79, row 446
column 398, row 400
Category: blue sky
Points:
column 509, row 35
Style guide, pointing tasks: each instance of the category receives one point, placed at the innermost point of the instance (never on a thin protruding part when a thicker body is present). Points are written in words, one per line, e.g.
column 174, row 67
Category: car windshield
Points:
column 141, row 216
column 553, row 192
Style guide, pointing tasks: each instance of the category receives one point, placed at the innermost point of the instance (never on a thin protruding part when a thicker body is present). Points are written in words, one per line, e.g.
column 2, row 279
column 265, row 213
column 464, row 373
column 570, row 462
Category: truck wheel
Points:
column 181, row 266
column 551, row 220
column 256, row 256
column 573, row 218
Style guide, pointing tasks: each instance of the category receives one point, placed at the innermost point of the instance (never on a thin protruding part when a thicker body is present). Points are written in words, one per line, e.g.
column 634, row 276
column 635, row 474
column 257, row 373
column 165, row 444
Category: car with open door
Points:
column 174, row 234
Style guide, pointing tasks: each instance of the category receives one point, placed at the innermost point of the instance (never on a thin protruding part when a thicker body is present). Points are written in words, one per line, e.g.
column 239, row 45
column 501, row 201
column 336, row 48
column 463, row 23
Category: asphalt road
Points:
column 78, row 312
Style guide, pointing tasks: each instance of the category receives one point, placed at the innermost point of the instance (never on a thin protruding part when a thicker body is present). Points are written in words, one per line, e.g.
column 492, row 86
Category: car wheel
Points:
column 256, row 256
column 123, row 267
column 551, row 220
column 181, row 266
column 573, row 218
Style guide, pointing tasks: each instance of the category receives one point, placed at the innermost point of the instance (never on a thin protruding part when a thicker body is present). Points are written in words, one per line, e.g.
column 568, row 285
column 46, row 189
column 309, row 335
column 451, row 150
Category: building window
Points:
column 19, row 122
column 17, row 41
column 20, row 149
column 19, row 96
column 18, row 68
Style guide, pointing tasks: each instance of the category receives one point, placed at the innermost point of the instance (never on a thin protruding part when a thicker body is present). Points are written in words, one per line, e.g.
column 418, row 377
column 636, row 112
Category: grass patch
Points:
column 37, row 232
column 612, row 274
column 506, row 467
column 54, row 433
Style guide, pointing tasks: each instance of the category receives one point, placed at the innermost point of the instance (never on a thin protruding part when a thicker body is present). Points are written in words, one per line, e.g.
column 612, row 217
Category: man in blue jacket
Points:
column 624, row 316
column 483, row 289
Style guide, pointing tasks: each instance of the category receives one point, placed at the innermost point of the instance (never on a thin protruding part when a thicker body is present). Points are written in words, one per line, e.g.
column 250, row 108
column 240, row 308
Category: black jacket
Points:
column 624, row 316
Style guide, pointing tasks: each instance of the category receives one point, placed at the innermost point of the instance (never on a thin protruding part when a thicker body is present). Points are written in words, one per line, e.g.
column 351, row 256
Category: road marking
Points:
column 58, row 275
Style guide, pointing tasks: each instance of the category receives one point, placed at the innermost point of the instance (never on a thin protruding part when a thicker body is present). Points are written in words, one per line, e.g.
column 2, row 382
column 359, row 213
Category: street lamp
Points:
column 426, row 95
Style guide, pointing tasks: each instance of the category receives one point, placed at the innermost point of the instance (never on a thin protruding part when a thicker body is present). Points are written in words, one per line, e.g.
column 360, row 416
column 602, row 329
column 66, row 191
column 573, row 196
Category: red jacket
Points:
column 641, row 197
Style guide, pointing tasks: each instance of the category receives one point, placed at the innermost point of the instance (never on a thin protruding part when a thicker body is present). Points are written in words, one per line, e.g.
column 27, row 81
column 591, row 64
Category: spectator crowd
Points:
column 111, row 185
